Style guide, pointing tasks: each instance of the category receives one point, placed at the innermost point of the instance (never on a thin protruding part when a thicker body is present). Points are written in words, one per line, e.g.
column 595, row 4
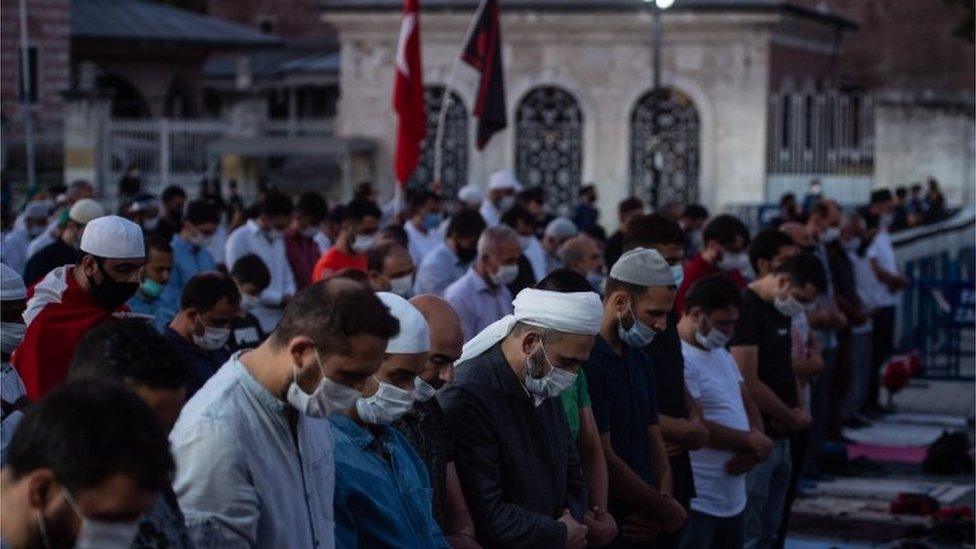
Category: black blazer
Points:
column 518, row 464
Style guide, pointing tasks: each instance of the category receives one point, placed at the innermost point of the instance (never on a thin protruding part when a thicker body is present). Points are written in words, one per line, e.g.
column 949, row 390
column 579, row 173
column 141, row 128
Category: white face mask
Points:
column 550, row 385
column 249, row 302
column 729, row 262
column 327, row 397
column 150, row 224
column 714, row 339
column 310, row 232
column 363, row 243
column 678, row 272
column 639, row 335
column 788, row 307
column 386, row 405
column 201, row 240
column 98, row 534
column 11, row 334
column 422, row 390
column 213, row 338
column 596, row 279
column 402, row 286
column 853, row 244
column 506, row 275
column 830, row 234
column 506, row 203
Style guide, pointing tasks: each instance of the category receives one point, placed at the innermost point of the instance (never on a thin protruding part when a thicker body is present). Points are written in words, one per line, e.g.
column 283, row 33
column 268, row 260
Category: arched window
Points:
column 549, row 144
column 454, row 144
column 664, row 144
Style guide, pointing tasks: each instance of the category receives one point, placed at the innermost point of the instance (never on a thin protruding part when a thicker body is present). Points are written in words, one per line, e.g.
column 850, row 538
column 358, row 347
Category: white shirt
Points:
column 883, row 252
column 44, row 239
column 218, row 244
column 490, row 213
column 13, row 253
column 323, row 241
column 536, row 254
column 420, row 243
column 714, row 381
column 250, row 239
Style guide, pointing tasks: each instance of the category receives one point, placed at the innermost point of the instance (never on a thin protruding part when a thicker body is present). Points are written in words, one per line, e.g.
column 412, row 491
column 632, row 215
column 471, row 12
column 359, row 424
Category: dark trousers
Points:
column 798, row 444
column 708, row 532
column 840, row 386
column 881, row 345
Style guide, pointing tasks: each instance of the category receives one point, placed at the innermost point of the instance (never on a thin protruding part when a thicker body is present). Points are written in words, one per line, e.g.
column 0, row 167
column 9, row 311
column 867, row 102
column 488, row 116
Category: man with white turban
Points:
column 13, row 296
column 382, row 492
column 502, row 187
column 516, row 459
column 621, row 380
column 73, row 299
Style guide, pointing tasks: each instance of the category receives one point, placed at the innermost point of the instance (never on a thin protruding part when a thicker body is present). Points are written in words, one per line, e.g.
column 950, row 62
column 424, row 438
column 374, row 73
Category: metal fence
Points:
column 304, row 127
column 827, row 132
column 48, row 159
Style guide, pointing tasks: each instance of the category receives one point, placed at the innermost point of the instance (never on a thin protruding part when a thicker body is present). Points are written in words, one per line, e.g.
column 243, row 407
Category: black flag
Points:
column 484, row 52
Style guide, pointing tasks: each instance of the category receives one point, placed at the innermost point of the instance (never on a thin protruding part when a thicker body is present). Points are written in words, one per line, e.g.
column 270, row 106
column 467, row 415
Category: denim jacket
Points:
column 382, row 495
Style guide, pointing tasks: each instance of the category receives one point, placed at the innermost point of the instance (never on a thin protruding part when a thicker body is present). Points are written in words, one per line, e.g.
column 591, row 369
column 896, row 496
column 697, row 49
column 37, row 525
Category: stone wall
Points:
column 916, row 139
column 721, row 61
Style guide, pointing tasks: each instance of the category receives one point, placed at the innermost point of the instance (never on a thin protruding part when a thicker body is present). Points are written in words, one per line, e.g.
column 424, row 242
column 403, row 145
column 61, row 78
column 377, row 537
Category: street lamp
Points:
column 656, row 161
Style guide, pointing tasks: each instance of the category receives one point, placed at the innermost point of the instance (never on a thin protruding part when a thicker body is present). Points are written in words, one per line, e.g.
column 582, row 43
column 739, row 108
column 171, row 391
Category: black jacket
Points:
column 517, row 463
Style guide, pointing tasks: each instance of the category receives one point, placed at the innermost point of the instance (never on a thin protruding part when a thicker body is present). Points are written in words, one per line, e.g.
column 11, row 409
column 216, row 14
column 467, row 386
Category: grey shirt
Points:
column 251, row 470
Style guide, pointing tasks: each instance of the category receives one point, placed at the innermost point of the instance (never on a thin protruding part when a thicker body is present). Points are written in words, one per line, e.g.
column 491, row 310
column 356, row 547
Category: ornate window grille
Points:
column 664, row 148
column 454, row 144
column 549, row 144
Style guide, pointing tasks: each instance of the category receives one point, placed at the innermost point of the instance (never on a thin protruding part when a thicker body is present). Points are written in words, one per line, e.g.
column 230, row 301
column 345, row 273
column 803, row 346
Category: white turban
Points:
column 504, row 179
column 113, row 237
column 414, row 336
column 570, row 313
column 11, row 285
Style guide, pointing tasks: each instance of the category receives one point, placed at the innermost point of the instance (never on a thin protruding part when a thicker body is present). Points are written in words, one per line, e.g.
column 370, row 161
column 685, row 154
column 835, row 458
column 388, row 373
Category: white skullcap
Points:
column 642, row 267
column 569, row 313
column 414, row 336
column 113, row 237
column 504, row 179
column 471, row 194
column 11, row 285
column 85, row 210
column 37, row 209
column 561, row 228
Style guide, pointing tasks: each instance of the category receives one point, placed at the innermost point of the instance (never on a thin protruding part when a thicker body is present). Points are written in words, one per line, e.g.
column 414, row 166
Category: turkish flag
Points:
column 408, row 94
column 484, row 52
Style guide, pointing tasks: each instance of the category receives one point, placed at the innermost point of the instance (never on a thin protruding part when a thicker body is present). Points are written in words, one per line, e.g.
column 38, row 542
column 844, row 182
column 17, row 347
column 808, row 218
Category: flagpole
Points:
column 446, row 98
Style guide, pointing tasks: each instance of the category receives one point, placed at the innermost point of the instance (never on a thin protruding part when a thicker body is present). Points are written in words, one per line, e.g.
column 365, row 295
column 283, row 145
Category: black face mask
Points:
column 110, row 293
column 467, row 255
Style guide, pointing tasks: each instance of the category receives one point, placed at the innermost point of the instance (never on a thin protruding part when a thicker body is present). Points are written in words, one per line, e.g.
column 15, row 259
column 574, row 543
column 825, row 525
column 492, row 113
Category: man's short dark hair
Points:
column 716, row 291
column 359, row 209
column 630, row 204
column 648, row 230
column 396, row 233
column 201, row 211
column 695, row 211
column 586, row 189
column 786, row 197
column 205, row 290
column 821, row 208
column 901, row 192
column 531, row 194
column 724, row 228
column 419, row 198
column 158, row 243
column 331, row 312
column 250, row 269
column 313, row 206
column 130, row 351
column 518, row 213
column 465, row 224
column 766, row 245
column 880, row 195
column 171, row 192
column 377, row 255
column 614, row 285
column 86, row 431
column 276, row 204
column 565, row 281
column 803, row 269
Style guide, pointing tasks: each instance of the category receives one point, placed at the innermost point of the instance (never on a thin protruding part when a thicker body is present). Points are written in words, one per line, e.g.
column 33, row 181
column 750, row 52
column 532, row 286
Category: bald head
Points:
column 798, row 233
column 582, row 255
column 446, row 338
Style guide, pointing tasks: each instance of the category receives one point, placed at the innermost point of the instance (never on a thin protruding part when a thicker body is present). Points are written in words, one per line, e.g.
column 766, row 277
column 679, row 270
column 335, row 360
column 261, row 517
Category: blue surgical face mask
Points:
column 432, row 221
column 678, row 272
column 639, row 335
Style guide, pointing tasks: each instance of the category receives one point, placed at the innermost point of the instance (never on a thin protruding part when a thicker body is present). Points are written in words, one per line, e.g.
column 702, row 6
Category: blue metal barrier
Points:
column 937, row 308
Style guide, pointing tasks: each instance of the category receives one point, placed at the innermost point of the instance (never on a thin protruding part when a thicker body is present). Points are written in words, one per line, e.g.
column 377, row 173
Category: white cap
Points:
column 11, row 285
column 414, row 336
column 471, row 194
column 642, row 267
column 504, row 179
column 37, row 209
column 113, row 237
column 85, row 210
column 561, row 228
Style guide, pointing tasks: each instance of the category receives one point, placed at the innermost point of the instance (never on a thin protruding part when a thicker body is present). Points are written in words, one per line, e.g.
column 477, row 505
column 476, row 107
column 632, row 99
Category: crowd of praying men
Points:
column 194, row 371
